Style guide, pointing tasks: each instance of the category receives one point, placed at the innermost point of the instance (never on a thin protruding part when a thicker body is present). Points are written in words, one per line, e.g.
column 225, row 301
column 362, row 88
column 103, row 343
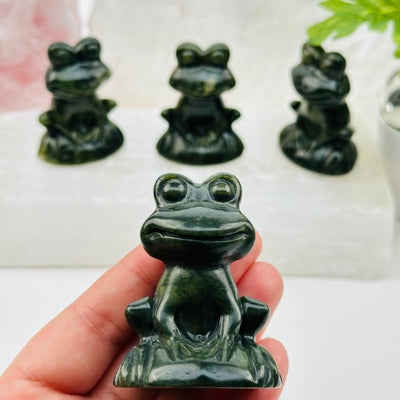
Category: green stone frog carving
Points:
column 320, row 139
column 196, row 331
column 200, row 129
column 78, row 129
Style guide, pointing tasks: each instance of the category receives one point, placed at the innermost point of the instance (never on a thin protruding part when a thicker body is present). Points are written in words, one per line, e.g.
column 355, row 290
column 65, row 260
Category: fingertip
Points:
column 257, row 246
column 263, row 282
column 239, row 267
column 139, row 254
column 276, row 284
column 140, row 263
column 258, row 238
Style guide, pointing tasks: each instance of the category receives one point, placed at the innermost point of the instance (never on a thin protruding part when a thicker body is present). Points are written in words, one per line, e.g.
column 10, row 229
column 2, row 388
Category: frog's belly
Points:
column 197, row 321
column 83, row 122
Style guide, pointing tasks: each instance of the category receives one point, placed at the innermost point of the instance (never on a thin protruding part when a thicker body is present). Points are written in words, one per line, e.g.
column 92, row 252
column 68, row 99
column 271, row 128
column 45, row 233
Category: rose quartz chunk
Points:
column 27, row 28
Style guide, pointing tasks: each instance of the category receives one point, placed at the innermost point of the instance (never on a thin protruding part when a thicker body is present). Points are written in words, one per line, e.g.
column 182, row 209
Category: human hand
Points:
column 77, row 354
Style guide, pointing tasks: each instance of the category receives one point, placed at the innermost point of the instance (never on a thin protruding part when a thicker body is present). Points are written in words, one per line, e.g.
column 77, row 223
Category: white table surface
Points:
column 342, row 336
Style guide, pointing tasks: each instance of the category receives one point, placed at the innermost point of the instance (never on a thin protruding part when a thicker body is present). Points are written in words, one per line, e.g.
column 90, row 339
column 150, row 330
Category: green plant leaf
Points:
column 379, row 6
column 338, row 26
column 396, row 38
column 388, row 6
column 378, row 22
column 319, row 32
column 348, row 15
column 370, row 5
column 346, row 26
column 341, row 7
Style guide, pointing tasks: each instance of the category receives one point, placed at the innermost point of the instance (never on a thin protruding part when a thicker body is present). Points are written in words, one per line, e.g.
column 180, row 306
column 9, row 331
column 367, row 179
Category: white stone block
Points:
column 91, row 215
column 265, row 38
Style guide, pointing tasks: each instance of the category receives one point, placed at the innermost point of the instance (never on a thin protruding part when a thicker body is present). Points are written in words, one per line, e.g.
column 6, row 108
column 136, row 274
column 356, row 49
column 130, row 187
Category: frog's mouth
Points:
column 324, row 97
column 186, row 244
column 220, row 236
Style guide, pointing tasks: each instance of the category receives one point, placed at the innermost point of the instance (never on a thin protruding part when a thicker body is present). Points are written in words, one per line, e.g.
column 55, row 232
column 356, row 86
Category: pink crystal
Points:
column 27, row 28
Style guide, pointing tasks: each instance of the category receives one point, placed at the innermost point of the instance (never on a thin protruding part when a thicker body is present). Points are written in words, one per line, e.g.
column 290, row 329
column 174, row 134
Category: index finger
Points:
column 72, row 352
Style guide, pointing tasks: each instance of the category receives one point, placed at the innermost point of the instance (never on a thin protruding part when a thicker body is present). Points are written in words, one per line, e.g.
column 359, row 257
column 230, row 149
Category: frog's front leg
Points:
column 171, row 339
column 345, row 133
column 108, row 104
column 229, row 324
column 169, row 334
column 47, row 118
column 56, row 123
column 228, row 333
column 295, row 105
column 168, row 114
column 139, row 317
column 232, row 114
column 53, row 121
column 227, row 338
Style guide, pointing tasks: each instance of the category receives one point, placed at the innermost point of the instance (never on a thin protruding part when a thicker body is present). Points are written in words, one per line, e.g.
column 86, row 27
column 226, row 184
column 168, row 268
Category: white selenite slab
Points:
column 91, row 215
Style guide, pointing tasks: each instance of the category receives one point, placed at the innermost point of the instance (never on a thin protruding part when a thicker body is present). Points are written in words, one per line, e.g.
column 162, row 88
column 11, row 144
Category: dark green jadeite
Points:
column 78, row 129
column 319, row 140
column 196, row 331
column 200, row 129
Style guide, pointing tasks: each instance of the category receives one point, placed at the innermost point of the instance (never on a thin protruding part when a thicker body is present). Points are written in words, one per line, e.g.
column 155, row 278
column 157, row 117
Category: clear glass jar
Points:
column 389, row 136
column 390, row 107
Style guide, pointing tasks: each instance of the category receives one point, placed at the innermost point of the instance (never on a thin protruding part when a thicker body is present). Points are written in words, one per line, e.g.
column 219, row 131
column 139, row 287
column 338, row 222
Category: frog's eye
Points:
column 173, row 190
column 311, row 54
column 333, row 64
column 309, row 59
column 222, row 190
column 91, row 51
column 187, row 58
column 60, row 55
column 88, row 49
column 219, row 58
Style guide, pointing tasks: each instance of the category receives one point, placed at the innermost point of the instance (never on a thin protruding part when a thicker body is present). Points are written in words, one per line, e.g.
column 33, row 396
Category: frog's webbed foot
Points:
column 227, row 334
column 226, row 348
column 334, row 160
column 175, row 346
column 137, row 364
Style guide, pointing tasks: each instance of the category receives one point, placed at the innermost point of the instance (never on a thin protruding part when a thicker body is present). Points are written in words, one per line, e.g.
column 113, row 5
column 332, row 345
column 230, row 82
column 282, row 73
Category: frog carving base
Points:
column 320, row 139
column 200, row 130
column 78, row 129
column 196, row 331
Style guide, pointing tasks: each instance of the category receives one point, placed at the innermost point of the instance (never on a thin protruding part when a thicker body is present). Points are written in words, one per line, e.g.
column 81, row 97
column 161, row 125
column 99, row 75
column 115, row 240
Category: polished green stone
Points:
column 200, row 130
column 196, row 331
column 78, row 129
column 320, row 139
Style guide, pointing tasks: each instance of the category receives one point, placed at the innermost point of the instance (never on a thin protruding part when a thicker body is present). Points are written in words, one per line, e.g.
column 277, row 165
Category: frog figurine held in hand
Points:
column 197, row 332
column 200, row 129
column 320, row 139
column 78, row 129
